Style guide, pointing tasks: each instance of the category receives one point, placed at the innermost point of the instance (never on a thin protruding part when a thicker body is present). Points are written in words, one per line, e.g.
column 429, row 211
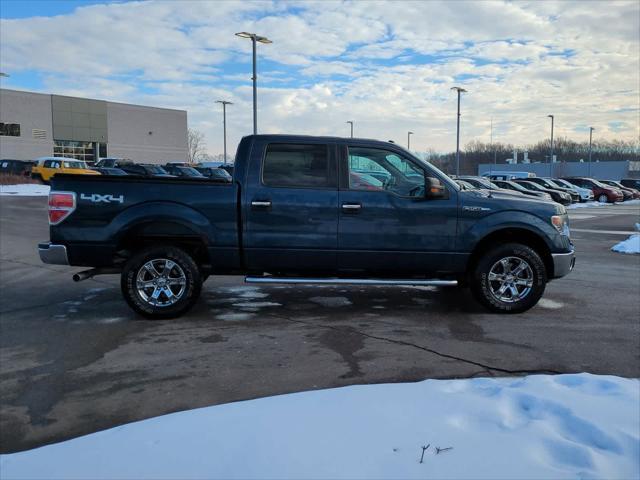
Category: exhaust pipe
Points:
column 86, row 274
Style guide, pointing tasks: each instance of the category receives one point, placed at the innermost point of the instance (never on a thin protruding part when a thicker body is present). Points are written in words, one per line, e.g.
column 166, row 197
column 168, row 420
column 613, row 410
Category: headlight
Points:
column 561, row 224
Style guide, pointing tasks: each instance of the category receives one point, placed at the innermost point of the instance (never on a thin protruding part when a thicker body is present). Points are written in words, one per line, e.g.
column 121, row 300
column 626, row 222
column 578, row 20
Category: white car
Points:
column 586, row 194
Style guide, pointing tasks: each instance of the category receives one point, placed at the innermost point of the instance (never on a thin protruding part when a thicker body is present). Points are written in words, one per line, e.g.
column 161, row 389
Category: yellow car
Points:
column 47, row 167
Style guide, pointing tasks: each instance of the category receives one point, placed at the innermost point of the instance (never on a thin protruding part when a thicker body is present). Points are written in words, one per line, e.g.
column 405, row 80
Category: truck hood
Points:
column 497, row 201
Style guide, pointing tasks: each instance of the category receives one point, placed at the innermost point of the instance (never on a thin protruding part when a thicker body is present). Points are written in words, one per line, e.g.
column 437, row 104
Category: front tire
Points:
column 161, row 282
column 509, row 278
column 603, row 198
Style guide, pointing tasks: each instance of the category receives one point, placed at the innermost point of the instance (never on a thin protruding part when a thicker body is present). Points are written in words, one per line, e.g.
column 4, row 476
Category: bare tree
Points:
column 195, row 145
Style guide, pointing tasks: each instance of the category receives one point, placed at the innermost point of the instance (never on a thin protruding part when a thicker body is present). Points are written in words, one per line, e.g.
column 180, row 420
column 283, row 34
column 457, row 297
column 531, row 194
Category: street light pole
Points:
column 224, row 125
column 551, row 155
column 459, row 90
column 350, row 122
column 409, row 140
column 254, row 38
column 591, row 129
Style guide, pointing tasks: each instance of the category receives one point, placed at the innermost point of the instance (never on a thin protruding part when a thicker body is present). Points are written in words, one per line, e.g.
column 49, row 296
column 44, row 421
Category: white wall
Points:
column 129, row 128
column 31, row 111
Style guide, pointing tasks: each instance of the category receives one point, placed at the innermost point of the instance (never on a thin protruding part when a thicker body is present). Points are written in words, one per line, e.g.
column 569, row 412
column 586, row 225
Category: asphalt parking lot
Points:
column 74, row 359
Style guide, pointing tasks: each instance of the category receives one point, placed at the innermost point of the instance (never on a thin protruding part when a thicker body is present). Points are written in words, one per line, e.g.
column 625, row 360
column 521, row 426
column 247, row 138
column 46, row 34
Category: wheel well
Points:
column 193, row 245
column 513, row 235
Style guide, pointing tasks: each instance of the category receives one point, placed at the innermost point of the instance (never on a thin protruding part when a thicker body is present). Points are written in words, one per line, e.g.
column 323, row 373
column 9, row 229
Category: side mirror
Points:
column 435, row 189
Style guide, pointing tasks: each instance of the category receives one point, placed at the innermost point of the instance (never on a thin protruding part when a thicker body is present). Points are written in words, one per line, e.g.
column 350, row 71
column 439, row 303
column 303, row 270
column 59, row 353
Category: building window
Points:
column 79, row 150
column 10, row 129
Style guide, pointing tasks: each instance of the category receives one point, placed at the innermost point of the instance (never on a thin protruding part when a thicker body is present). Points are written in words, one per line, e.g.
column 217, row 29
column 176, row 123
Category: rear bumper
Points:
column 563, row 263
column 53, row 254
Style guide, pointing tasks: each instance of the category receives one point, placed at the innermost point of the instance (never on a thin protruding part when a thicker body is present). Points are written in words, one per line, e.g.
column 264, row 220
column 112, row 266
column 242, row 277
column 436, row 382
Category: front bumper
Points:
column 563, row 263
column 53, row 254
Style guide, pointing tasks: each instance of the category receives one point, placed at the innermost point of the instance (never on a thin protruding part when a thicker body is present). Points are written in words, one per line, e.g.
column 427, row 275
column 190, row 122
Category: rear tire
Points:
column 509, row 278
column 161, row 282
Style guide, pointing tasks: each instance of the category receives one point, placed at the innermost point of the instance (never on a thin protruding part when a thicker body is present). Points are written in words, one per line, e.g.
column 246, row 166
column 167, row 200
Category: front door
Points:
column 291, row 208
column 386, row 224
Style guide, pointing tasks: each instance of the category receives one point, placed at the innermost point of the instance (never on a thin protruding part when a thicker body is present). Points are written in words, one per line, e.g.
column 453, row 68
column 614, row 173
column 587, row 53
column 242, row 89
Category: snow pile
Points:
column 630, row 245
column 25, row 190
column 565, row 426
column 584, row 205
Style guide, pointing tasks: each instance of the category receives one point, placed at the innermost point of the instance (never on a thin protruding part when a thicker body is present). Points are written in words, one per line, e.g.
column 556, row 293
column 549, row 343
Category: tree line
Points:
column 565, row 150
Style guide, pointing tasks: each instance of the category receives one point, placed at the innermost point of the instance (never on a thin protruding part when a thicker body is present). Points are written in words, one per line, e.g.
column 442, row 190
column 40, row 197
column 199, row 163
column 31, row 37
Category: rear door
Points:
column 389, row 226
column 290, row 207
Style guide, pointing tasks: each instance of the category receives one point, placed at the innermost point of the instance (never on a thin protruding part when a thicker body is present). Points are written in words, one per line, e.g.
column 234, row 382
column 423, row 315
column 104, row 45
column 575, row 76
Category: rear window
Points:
column 289, row 165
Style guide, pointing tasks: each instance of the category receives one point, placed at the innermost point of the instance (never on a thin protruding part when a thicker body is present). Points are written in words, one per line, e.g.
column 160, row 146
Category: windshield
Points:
column 563, row 183
column 74, row 164
column 532, row 186
column 154, row 169
column 190, row 172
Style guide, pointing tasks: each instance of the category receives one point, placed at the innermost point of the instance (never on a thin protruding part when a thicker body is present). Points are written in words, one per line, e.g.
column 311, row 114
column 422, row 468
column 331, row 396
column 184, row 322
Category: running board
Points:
column 352, row 281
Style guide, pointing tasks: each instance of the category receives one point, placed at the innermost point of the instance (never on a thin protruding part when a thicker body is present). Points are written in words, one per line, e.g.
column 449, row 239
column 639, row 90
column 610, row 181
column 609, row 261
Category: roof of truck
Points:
column 289, row 137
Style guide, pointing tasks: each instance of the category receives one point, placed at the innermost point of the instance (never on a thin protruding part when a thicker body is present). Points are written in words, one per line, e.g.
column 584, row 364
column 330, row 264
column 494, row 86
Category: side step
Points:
column 352, row 281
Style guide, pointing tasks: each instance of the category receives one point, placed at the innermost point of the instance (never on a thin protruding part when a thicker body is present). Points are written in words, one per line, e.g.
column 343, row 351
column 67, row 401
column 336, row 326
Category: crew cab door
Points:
column 290, row 207
column 386, row 223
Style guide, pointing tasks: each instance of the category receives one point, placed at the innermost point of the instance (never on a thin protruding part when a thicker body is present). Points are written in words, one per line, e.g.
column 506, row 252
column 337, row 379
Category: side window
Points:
column 51, row 164
column 291, row 165
column 380, row 170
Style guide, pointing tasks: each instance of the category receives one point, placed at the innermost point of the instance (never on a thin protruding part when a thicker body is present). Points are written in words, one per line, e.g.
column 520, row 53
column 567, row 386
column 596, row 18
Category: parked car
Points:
column 509, row 185
column 628, row 193
column 144, row 170
column 110, row 171
column 216, row 174
column 16, row 167
column 631, row 183
column 46, row 167
column 557, row 196
column 551, row 185
column 586, row 194
column 290, row 217
column 485, row 183
column 183, row 171
column 603, row 193
column 225, row 166
column 465, row 185
column 111, row 162
column 508, row 175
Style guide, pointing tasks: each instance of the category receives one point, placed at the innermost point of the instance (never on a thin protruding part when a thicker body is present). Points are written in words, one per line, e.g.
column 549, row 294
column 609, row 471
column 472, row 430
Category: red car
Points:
column 629, row 193
column 601, row 192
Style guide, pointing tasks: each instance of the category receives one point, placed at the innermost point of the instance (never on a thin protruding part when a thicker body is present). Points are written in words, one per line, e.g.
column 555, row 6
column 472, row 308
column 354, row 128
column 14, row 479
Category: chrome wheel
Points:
column 161, row 282
column 510, row 279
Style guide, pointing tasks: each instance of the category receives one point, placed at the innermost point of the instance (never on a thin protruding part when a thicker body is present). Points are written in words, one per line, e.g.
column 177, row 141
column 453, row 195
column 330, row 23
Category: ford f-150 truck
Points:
column 307, row 210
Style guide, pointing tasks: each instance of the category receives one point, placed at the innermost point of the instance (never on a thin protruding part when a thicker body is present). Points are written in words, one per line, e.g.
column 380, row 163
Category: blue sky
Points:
column 388, row 66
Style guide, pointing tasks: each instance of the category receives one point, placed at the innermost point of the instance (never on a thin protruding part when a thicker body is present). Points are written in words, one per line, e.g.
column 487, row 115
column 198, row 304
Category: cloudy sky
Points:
column 388, row 66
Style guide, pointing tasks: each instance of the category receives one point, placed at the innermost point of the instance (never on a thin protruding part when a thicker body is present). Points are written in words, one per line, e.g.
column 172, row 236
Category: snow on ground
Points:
column 565, row 426
column 25, row 190
column 584, row 205
column 630, row 245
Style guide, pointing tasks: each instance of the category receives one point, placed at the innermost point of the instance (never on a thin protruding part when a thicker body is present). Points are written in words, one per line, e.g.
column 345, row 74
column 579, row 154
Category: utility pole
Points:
column 551, row 155
column 459, row 90
column 591, row 129
column 224, row 125
column 350, row 122
column 254, row 38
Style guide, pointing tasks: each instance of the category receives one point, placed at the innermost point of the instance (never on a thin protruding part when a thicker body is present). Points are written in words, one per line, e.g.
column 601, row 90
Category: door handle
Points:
column 261, row 203
column 351, row 207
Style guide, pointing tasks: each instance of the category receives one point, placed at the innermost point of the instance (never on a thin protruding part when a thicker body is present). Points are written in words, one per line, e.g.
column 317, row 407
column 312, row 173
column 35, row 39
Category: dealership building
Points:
column 35, row 125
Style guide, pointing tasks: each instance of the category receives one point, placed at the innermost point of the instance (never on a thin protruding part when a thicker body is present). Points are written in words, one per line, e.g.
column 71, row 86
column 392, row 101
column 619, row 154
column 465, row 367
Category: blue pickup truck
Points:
column 304, row 209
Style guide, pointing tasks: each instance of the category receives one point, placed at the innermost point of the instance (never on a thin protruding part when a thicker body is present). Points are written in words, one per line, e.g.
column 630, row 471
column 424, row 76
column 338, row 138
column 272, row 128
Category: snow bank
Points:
column 565, row 426
column 25, row 190
column 584, row 205
column 630, row 245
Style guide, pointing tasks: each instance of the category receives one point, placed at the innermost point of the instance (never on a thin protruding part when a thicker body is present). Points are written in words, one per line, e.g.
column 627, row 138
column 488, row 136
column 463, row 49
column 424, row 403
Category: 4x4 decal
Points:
column 97, row 198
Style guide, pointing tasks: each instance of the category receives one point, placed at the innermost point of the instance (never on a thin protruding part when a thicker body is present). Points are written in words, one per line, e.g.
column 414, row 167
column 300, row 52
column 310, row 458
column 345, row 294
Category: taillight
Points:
column 61, row 205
